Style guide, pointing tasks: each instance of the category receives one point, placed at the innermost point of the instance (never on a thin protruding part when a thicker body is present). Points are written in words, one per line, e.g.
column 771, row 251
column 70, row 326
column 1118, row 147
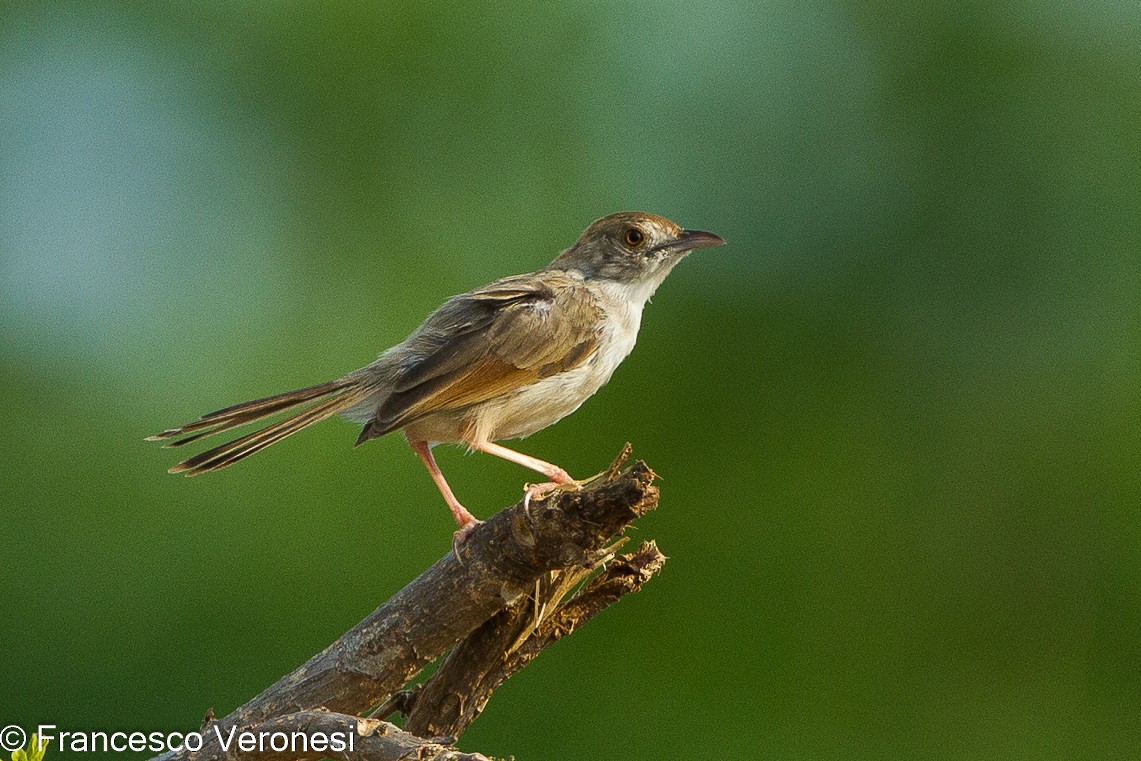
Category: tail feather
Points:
column 247, row 412
column 343, row 395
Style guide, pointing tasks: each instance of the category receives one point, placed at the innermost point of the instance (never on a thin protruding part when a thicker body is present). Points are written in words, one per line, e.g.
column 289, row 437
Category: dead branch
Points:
column 504, row 601
column 456, row 694
column 311, row 735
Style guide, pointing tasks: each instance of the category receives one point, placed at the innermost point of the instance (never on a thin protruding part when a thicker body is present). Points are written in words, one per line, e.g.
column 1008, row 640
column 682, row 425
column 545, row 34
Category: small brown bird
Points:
column 499, row 362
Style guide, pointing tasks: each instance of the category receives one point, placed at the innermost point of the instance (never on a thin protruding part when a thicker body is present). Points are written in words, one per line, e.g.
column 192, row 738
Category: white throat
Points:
column 624, row 316
column 635, row 294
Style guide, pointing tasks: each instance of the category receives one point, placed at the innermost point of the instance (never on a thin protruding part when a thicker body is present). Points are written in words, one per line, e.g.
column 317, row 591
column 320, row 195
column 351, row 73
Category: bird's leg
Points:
column 559, row 477
column 466, row 520
column 553, row 472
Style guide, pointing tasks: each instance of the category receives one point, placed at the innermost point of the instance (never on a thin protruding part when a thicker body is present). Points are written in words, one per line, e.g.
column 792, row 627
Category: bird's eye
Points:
column 635, row 237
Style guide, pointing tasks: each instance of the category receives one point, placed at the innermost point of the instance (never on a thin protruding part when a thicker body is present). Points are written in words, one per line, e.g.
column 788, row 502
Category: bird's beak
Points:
column 691, row 239
column 688, row 241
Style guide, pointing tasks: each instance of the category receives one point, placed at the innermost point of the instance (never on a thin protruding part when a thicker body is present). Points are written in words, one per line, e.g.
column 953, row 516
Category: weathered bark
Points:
column 291, row 738
column 456, row 694
column 522, row 563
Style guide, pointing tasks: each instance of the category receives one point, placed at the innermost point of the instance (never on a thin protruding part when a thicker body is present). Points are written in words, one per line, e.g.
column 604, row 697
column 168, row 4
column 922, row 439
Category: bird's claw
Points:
column 539, row 492
column 460, row 536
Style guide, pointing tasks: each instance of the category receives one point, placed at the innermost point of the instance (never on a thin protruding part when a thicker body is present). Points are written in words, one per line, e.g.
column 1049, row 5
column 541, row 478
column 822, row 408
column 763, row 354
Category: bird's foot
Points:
column 461, row 535
column 539, row 492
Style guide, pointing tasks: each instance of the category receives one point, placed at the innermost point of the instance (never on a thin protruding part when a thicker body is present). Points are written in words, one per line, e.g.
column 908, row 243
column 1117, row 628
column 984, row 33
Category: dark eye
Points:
column 635, row 237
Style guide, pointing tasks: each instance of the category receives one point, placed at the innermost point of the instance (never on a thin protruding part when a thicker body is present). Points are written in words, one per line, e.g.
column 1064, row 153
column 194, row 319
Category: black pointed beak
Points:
column 691, row 239
column 687, row 241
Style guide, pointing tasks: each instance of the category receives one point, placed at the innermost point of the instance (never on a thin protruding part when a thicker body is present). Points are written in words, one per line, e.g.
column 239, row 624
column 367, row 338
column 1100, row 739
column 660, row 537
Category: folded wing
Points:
column 489, row 342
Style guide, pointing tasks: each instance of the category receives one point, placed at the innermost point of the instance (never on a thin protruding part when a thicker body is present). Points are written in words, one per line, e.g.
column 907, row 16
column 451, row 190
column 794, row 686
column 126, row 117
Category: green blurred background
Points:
column 896, row 418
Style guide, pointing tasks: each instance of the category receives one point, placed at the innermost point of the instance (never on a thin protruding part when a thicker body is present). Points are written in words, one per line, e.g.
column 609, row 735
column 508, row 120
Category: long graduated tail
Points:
column 337, row 396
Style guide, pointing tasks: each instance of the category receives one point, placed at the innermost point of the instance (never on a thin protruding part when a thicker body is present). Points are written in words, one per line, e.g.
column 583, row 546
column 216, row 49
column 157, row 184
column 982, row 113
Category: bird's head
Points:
column 632, row 248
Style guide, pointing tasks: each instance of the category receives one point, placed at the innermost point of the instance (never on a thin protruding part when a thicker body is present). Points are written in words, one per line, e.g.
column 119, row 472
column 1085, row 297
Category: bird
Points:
column 499, row 362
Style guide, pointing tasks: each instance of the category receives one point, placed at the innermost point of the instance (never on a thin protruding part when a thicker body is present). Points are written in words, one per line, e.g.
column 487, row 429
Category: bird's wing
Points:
column 490, row 341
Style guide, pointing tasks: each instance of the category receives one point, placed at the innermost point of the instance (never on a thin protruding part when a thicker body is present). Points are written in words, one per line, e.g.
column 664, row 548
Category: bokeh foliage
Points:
column 897, row 418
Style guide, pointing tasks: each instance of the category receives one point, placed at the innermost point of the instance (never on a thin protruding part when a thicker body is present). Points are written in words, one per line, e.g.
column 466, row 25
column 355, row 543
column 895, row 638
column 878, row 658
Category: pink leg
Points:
column 558, row 476
column 553, row 472
column 465, row 519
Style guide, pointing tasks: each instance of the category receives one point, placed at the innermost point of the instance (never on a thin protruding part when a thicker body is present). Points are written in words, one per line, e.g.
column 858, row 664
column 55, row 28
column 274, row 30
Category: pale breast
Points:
column 545, row 402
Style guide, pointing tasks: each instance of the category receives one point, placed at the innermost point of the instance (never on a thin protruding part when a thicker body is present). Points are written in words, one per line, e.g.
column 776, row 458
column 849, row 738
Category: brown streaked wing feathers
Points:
column 522, row 331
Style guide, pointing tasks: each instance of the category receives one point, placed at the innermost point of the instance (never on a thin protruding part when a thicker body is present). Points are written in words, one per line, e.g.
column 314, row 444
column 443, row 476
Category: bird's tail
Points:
column 334, row 397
